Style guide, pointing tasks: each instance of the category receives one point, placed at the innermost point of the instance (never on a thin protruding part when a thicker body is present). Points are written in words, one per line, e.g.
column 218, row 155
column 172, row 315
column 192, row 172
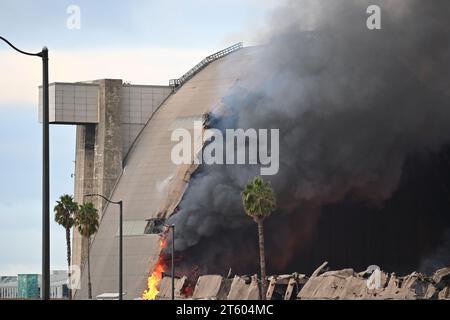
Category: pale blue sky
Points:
column 177, row 28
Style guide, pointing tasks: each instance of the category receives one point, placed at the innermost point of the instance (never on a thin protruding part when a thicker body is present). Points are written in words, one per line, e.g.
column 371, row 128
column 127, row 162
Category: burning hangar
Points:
column 123, row 151
column 123, row 148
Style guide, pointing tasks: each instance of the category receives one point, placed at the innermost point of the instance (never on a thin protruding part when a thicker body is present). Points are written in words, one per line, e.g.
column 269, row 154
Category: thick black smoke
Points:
column 440, row 258
column 352, row 104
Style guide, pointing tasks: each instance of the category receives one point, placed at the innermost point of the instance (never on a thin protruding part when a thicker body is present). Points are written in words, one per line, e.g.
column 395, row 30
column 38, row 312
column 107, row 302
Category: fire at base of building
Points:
column 322, row 284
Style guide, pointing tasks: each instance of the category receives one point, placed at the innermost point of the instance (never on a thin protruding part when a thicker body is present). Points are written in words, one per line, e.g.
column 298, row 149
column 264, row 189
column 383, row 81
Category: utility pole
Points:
column 45, row 286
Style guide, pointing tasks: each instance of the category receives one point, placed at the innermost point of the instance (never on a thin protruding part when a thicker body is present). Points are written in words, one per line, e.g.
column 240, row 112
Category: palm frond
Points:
column 65, row 210
column 86, row 220
column 258, row 198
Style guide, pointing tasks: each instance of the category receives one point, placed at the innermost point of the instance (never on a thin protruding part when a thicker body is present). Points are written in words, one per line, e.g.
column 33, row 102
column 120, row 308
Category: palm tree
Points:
column 86, row 220
column 259, row 202
column 65, row 210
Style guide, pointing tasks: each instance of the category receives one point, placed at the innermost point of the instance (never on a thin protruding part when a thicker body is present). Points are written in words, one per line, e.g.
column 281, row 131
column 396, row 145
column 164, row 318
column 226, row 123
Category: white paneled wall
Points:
column 77, row 103
column 137, row 106
column 71, row 103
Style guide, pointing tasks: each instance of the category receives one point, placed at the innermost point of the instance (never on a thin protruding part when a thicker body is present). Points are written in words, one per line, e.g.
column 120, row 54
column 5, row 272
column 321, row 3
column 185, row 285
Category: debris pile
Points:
column 343, row 284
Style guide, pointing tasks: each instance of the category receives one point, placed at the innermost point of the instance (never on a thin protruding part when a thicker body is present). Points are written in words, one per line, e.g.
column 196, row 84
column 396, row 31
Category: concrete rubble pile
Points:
column 323, row 284
column 347, row 284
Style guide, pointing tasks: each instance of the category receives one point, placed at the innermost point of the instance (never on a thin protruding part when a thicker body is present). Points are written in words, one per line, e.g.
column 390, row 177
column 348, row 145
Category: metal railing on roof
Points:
column 176, row 83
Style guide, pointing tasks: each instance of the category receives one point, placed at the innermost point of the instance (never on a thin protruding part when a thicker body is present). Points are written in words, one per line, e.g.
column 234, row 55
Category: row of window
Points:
column 55, row 292
column 8, row 293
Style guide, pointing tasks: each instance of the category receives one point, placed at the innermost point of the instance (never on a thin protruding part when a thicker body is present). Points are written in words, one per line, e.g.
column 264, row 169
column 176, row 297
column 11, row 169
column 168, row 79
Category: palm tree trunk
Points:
column 68, row 260
column 89, row 270
column 262, row 258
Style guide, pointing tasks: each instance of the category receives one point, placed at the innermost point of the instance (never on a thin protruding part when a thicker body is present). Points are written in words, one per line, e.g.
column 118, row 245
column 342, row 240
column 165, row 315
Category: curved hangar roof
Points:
column 151, row 185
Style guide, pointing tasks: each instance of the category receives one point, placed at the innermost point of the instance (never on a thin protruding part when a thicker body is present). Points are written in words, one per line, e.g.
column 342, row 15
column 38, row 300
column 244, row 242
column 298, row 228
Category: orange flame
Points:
column 156, row 276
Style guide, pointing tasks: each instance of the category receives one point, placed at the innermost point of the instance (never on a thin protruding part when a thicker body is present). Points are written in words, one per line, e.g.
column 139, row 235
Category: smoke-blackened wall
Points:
column 355, row 107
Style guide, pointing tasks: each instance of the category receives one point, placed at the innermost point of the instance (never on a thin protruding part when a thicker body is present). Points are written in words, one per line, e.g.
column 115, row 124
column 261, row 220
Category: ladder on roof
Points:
column 177, row 83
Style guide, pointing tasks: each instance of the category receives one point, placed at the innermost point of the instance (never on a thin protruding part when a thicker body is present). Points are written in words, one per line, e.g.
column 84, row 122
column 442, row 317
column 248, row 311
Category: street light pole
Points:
column 45, row 286
column 173, row 261
column 45, row 181
column 121, row 250
column 120, row 203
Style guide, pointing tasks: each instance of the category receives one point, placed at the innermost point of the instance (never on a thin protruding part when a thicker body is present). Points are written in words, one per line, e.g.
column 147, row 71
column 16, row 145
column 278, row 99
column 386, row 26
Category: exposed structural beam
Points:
column 177, row 83
column 45, row 291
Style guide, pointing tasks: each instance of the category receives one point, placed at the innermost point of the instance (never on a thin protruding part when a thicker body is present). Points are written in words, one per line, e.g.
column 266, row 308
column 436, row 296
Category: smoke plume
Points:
column 352, row 105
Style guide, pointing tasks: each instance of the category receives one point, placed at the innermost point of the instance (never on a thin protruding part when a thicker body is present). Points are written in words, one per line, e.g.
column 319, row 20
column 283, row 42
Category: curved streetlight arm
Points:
column 103, row 197
column 120, row 203
column 39, row 54
column 45, row 283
